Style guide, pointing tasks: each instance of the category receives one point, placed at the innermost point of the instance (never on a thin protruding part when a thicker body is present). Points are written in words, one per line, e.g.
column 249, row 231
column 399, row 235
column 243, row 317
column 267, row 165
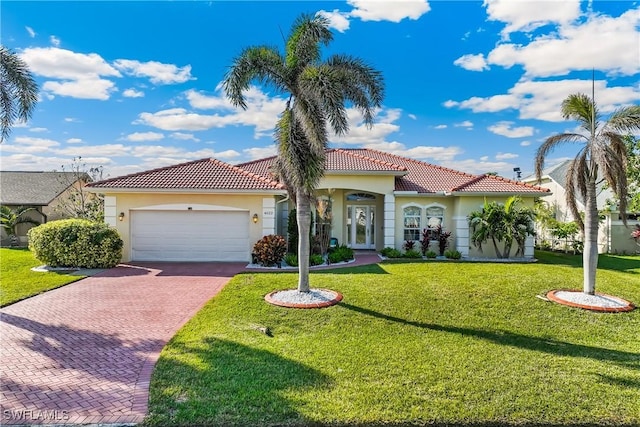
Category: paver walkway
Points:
column 84, row 353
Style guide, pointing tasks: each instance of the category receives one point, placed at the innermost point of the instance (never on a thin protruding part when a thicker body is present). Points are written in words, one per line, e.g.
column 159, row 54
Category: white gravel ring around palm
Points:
column 597, row 302
column 315, row 298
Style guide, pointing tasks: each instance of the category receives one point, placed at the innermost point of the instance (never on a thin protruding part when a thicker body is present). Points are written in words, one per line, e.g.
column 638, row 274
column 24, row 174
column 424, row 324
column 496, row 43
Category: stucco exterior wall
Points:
column 126, row 202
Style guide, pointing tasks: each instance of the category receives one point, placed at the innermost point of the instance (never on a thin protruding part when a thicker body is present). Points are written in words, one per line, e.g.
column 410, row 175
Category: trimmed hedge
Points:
column 76, row 243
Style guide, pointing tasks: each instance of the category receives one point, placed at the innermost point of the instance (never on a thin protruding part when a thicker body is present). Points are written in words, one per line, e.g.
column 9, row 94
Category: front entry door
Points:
column 361, row 220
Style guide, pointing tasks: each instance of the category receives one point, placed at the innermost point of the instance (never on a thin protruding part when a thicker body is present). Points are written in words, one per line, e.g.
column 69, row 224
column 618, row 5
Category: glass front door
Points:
column 361, row 222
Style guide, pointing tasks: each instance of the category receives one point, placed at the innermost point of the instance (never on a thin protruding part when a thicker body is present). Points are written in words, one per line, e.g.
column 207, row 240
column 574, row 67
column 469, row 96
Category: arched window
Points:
column 412, row 219
column 435, row 219
column 361, row 197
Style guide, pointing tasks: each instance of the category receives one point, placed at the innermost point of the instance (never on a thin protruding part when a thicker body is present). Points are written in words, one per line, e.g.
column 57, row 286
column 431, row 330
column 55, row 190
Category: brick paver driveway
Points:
column 84, row 353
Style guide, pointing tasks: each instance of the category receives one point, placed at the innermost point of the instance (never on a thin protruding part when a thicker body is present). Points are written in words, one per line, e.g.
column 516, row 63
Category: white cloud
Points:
column 84, row 88
column 81, row 74
column 74, row 141
column 480, row 166
column 38, row 129
column 525, row 143
column 144, row 136
column 506, row 156
column 255, row 153
column 384, row 10
column 421, row 152
column 603, row 42
column 132, row 93
column 28, row 145
column 359, row 133
column 184, row 136
column 339, row 21
column 262, row 113
column 94, row 151
column 527, row 15
column 64, row 64
column 506, row 128
column 472, row 62
column 157, row 72
column 71, row 120
column 440, row 127
column 54, row 41
column 464, row 124
column 412, row 116
column 32, row 33
column 206, row 102
column 542, row 100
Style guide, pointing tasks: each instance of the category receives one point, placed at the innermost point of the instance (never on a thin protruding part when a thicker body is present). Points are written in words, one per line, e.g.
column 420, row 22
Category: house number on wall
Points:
column 268, row 213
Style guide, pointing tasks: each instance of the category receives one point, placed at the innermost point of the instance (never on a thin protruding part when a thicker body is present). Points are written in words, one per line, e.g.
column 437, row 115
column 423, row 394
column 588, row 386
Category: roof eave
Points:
column 360, row 172
column 121, row 190
column 501, row 193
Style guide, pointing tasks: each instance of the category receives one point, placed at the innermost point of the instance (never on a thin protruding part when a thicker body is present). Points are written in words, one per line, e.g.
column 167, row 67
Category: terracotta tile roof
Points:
column 411, row 175
column 204, row 174
column 498, row 184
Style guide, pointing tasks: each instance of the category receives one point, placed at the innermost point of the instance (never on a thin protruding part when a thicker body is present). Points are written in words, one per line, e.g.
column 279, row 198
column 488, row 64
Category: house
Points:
column 613, row 235
column 208, row 210
column 44, row 191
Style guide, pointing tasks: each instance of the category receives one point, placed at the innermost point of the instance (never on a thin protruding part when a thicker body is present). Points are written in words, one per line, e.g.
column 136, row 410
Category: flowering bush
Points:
column 270, row 250
column 635, row 234
column 76, row 243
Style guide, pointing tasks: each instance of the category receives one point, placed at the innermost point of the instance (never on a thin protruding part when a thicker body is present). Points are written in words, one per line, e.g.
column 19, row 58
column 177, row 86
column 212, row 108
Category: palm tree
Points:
column 317, row 91
column 506, row 223
column 11, row 218
column 18, row 91
column 603, row 154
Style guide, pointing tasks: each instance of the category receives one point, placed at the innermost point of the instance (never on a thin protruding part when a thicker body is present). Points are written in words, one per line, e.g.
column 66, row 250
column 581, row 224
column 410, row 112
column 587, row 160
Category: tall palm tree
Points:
column 317, row 91
column 18, row 91
column 603, row 154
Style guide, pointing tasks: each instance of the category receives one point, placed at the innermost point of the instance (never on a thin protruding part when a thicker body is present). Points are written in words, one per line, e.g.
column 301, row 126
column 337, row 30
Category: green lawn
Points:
column 412, row 343
column 18, row 282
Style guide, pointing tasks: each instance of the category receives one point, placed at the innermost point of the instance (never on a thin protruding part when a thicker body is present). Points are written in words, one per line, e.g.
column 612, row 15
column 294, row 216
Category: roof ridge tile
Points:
column 380, row 162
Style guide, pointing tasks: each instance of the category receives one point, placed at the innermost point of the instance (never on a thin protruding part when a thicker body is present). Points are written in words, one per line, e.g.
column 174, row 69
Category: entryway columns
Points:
column 389, row 221
column 461, row 225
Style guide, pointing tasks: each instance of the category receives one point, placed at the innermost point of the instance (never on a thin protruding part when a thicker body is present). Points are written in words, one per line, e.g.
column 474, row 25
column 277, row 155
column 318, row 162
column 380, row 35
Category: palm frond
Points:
column 303, row 44
column 263, row 64
column 362, row 84
column 625, row 120
column 549, row 145
column 575, row 184
column 18, row 91
column 319, row 83
column 580, row 107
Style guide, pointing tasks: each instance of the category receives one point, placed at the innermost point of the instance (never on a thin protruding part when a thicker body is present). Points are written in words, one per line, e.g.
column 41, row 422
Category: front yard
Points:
column 18, row 282
column 412, row 343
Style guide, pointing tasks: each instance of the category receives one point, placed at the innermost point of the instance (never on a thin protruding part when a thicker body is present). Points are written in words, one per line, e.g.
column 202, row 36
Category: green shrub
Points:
column 316, row 259
column 385, row 251
column 412, row 253
column 340, row 254
column 291, row 259
column 270, row 250
column 393, row 253
column 452, row 254
column 76, row 243
column 431, row 254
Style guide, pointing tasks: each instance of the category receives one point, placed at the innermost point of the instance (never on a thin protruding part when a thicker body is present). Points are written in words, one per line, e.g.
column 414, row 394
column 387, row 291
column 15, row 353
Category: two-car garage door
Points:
column 165, row 235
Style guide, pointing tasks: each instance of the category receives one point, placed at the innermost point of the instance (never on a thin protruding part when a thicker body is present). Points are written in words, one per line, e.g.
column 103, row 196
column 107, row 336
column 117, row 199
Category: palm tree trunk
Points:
column 303, row 214
column 590, row 255
column 495, row 246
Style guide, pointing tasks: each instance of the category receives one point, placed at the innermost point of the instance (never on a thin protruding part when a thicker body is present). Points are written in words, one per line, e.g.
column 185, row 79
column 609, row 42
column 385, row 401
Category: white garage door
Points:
column 190, row 236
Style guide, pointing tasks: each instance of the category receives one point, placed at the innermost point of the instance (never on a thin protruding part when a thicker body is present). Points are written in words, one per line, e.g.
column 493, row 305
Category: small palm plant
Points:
column 10, row 219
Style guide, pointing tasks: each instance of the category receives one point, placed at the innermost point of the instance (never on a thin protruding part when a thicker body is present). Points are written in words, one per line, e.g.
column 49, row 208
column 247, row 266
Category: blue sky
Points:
column 471, row 85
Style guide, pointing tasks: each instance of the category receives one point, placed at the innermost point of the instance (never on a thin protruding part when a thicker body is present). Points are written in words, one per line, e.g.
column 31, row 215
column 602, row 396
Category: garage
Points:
column 190, row 235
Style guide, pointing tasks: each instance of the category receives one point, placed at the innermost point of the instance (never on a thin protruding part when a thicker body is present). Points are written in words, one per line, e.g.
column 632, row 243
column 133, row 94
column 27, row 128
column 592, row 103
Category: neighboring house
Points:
column 208, row 210
column 44, row 191
column 613, row 236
